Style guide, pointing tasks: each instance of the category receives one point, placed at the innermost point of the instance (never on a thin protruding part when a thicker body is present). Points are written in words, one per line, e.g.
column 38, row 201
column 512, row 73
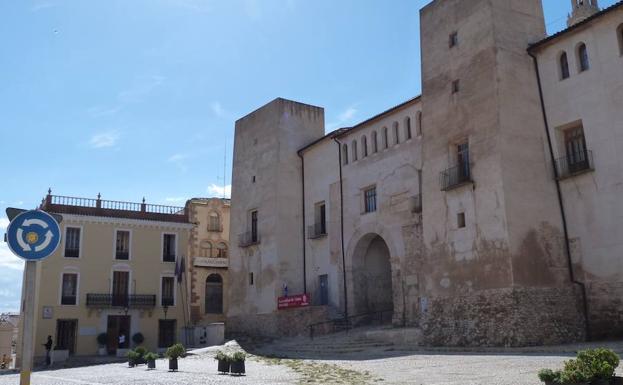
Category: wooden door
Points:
column 66, row 335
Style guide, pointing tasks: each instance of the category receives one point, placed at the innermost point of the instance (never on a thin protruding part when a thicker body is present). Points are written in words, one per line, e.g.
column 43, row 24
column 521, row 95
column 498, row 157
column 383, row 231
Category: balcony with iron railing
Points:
column 317, row 230
column 574, row 164
column 116, row 209
column 132, row 301
column 455, row 177
column 249, row 238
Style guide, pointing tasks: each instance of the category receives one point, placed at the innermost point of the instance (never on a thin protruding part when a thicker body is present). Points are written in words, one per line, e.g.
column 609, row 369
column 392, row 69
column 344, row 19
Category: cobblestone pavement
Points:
column 397, row 367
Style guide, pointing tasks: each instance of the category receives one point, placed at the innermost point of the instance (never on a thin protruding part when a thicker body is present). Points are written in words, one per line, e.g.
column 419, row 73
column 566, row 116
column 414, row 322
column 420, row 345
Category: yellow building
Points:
column 209, row 252
column 114, row 273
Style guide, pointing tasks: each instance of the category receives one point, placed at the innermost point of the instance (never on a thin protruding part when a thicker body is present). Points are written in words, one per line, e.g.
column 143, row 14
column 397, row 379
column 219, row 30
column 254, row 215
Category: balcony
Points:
column 249, row 238
column 574, row 164
column 124, row 255
column 132, row 301
column 455, row 177
column 72, row 253
column 317, row 230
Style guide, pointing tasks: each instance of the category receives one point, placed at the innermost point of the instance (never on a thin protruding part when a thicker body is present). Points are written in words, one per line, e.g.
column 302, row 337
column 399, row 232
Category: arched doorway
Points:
column 372, row 276
column 214, row 294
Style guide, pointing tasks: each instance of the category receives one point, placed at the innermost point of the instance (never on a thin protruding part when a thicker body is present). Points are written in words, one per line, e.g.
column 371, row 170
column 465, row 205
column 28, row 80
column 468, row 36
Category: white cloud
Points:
column 4, row 223
column 180, row 161
column 220, row 191
column 104, row 139
column 343, row 118
column 41, row 5
column 217, row 109
column 8, row 259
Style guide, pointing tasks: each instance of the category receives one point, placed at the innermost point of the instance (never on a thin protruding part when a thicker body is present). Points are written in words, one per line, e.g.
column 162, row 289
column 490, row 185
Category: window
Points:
column 364, row 146
column 408, row 128
column 253, row 179
column 320, row 214
column 250, row 279
column 396, row 133
column 72, row 242
column 463, row 161
column 345, row 154
column 454, row 39
column 168, row 248
column 167, row 293
column 385, row 138
column 370, row 200
column 583, row 61
column 354, row 150
column 122, row 248
column 221, row 250
column 69, row 289
column 564, row 66
column 205, row 249
column 455, row 86
column 254, row 237
column 419, row 123
column 214, row 294
column 166, row 333
column 460, row 220
column 214, row 222
column 120, row 288
column 375, row 144
column 620, row 39
column 575, row 148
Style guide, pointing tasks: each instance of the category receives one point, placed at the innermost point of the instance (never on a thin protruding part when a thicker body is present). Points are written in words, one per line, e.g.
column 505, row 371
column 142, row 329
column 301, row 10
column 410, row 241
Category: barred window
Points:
column 370, row 200
column 72, row 242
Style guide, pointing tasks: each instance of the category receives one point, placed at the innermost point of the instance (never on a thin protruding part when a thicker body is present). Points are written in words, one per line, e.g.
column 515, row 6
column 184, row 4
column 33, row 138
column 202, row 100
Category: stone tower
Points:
column 581, row 9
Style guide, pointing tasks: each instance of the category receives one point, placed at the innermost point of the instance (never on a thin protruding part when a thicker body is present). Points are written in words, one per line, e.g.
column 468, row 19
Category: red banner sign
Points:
column 292, row 301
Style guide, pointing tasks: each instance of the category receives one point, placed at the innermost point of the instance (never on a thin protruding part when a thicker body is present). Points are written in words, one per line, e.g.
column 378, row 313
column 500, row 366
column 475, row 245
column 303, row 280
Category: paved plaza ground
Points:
column 390, row 367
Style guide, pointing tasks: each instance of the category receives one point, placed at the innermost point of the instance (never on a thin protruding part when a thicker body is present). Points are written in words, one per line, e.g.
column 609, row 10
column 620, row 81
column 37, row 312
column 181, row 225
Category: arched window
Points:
column 396, row 133
column 354, row 150
column 221, row 250
column 375, row 146
column 214, row 294
column 345, row 154
column 620, row 38
column 583, row 62
column 564, row 66
column 214, row 222
column 408, row 128
column 364, row 146
column 385, row 138
column 418, row 128
column 205, row 249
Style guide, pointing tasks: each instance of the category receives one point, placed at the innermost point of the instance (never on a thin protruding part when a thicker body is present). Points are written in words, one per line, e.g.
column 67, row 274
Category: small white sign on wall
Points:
column 48, row 312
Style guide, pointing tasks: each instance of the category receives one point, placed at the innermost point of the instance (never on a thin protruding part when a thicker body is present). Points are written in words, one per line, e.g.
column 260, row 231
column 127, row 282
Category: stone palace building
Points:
column 484, row 212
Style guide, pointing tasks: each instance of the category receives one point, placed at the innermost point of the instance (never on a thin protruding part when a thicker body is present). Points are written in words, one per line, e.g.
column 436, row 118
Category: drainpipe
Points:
column 339, row 161
column 560, row 201
column 303, row 228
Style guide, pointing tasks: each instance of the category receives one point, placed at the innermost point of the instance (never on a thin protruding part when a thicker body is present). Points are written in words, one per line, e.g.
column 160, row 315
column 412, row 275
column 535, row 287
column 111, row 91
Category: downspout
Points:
column 560, row 201
column 303, row 224
column 339, row 161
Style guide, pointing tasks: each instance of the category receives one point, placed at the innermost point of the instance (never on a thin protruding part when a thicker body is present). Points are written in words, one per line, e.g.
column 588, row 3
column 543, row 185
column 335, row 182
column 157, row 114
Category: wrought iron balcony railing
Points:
column 72, row 253
column 317, row 230
column 574, row 163
column 455, row 177
column 248, row 239
column 114, row 300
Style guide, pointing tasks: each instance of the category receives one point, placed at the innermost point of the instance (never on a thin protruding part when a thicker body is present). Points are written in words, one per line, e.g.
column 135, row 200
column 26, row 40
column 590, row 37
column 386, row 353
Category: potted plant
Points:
column 102, row 341
column 549, row 377
column 173, row 353
column 151, row 360
column 223, row 362
column 132, row 358
column 138, row 338
column 600, row 364
column 575, row 373
column 237, row 363
column 141, row 351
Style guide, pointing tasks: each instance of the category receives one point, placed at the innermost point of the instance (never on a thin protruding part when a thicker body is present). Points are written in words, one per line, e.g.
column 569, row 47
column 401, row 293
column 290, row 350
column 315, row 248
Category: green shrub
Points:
column 548, row 375
column 222, row 356
column 575, row 371
column 150, row 356
column 238, row 357
column 175, row 351
column 141, row 351
column 102, row 339
column 133, row 356
column 599, row 362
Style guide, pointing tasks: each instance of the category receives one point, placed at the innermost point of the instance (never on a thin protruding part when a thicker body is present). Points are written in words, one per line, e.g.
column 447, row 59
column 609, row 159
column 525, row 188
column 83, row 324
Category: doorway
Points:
column 66, row 334
column 118, row 325
column 372, row 276
column 323, row 287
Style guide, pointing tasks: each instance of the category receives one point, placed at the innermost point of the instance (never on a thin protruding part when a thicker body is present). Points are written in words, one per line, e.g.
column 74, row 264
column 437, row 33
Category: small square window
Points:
column 250, row 279
column 454, row 39
column 460, row 219
column 455, row 86
column 253, row 179
column 369, row 200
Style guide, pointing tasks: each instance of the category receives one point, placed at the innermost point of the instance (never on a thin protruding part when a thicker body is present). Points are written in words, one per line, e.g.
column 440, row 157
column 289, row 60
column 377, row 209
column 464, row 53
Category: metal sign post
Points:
column 32, row 235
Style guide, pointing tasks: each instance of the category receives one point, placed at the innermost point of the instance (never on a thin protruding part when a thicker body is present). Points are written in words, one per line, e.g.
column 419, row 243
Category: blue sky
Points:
column 139, row 98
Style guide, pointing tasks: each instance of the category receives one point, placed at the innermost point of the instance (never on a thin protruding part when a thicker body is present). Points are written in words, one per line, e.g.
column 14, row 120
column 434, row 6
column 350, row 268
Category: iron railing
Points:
column 350, row 322
column 114, row 300
column 416, row 204
column 455, row 176
column 114, row 205
column 248, row 239
column 72, row 253
column 317, row 230
column 574, row 163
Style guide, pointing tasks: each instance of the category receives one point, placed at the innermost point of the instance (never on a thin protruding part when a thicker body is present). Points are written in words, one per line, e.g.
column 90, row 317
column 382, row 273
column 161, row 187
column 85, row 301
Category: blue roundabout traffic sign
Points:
column 33, row 235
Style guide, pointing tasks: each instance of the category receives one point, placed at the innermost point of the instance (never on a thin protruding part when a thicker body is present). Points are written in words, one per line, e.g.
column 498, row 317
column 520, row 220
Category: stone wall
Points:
column 504, row 317
column 605, row 309
column 282, row 323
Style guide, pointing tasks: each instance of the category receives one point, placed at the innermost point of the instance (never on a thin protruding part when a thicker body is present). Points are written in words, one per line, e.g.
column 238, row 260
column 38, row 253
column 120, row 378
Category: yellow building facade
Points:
column 116, row 272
